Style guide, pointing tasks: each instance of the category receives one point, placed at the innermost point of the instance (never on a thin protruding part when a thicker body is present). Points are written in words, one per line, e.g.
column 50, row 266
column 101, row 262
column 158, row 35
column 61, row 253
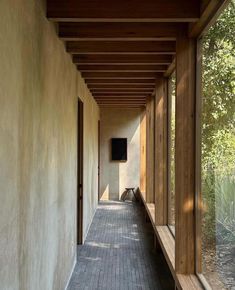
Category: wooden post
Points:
column 143, row 152
column 185, row 153
column 161, row 152
column 150, row 149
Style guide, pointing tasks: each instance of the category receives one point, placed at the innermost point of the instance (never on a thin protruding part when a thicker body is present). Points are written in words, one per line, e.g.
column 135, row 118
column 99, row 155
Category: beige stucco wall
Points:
column 39, row 87
column 90, row 151
column 115, row 176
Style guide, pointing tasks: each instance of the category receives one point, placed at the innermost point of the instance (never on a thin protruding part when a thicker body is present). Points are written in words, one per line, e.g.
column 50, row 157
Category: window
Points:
column 171, row 153
column 217, row 200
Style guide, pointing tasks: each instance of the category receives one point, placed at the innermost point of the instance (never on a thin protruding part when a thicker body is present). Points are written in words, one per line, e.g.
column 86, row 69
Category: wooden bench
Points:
column 167, row 243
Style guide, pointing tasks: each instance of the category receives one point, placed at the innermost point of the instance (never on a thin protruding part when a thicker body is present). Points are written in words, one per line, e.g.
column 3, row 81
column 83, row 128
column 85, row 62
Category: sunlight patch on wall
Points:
column 105, row 194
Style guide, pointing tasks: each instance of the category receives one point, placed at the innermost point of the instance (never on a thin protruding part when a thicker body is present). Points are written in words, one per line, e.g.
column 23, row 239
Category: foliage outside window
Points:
column 171, row 136
column 218, row 152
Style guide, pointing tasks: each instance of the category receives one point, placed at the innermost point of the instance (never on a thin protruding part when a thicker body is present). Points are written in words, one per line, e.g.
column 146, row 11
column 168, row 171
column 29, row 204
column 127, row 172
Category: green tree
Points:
column 218, row 121
column 218, row 92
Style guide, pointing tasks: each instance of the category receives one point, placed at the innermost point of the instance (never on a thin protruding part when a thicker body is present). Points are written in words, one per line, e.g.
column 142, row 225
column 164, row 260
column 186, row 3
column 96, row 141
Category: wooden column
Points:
column 161, row 152
column 143, row 152
column 150, row 149
column 185, row 153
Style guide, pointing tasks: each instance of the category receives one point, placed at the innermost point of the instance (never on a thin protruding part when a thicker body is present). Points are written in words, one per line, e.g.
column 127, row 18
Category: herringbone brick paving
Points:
column 118, row 252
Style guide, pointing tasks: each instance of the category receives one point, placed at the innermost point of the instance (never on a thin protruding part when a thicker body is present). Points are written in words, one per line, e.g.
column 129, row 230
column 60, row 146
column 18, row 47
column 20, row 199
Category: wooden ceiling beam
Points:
column 122, row 94
column 121, row 75
column 170, row 69
column 138, row 94
column 114, row 53
column 119, row 100
column 122, row 103
column 121, row 97
column 210, row 10
column 83, row 31
column 120, row 86
column 126, row 91
column 124, row 99
column 160, row 47
column 122, row 10
column 156, row 68
column 122, row 59
column 125, row 106
column 119, row 81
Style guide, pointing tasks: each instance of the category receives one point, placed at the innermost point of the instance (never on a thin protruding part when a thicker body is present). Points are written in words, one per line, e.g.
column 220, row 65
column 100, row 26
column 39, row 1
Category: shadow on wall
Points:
column 115, row 176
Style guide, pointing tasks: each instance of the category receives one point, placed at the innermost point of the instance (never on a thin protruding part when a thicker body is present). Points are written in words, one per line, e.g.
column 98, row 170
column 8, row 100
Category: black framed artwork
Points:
column 119, row 149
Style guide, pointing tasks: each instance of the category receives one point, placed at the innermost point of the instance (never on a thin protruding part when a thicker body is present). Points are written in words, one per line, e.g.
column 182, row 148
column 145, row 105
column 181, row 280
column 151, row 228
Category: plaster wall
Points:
column 39, row 87
column 116, row 176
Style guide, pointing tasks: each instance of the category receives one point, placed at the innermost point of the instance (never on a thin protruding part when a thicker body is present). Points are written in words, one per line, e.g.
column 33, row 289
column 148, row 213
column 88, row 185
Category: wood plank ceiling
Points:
column 121, row 47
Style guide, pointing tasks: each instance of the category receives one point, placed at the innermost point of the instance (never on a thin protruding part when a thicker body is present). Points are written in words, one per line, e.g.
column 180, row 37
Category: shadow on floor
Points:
column 118, row 252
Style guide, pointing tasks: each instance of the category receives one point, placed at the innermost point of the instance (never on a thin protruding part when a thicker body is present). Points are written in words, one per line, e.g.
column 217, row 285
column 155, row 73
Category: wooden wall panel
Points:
column 185, row 153
column 143, row 152
column 150, row 149
column 161, row 152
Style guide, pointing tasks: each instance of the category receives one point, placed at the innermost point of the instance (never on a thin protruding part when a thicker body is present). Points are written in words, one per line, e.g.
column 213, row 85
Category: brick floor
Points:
column 118, row 252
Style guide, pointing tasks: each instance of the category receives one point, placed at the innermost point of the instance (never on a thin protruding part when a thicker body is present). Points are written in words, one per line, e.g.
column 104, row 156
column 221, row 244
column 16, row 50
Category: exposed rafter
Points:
column 124, row 11
column 124, row 46
column 107, row 47
column 122, row 59
column 121, row 75
column 84, row 31
column 122, row 68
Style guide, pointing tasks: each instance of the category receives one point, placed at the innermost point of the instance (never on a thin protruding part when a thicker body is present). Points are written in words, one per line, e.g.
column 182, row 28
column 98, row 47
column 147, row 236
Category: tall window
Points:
column 218, row 153
column 171, row 153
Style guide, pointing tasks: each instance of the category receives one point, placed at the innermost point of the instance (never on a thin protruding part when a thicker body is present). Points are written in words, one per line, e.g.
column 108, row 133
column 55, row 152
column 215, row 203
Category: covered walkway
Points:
column 101, row 98
column 118, row 252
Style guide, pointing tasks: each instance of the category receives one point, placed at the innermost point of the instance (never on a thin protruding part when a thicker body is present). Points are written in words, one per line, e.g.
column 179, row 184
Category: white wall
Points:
column 115, row 176
column 39, row 87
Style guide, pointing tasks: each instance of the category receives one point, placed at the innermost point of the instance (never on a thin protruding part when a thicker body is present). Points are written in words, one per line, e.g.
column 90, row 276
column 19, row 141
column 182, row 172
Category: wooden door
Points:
column 80, row 174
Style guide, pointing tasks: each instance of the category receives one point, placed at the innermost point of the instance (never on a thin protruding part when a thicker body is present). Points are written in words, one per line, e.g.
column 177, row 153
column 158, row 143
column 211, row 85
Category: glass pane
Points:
column 218, row 152
column 171, row 191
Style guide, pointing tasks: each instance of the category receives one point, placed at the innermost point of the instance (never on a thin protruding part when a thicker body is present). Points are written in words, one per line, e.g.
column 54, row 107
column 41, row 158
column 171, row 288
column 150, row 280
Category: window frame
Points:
column 198, row 145
column 169, row 143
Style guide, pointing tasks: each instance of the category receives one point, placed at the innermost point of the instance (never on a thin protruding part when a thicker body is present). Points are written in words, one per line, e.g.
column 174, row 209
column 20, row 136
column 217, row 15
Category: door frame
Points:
column 99, row 160
column 80, row 138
